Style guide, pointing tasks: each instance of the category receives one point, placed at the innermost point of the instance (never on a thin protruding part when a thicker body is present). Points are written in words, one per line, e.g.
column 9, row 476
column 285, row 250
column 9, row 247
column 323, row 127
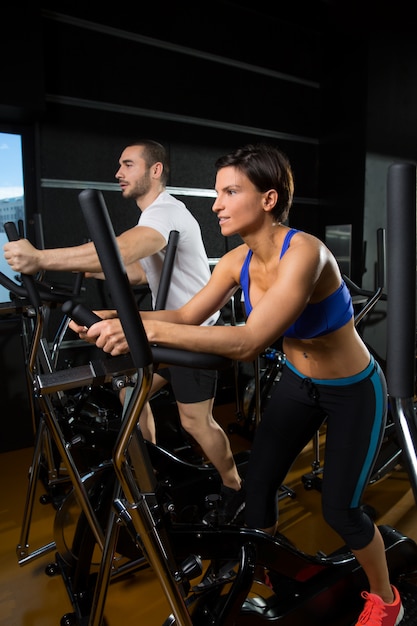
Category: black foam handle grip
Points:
column 46, row 292
column 80, row 313
column 380, row 247
column 78, row 283
column 15, row 288
column 101, row 230
column 184, row 358
column 27, row 280
column 39, row 239
column 11, row 231
column 166, row 273
column 160, row 355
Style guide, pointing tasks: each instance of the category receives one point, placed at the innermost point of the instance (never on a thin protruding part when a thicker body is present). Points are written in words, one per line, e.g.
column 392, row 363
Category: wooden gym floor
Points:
column 28, row 597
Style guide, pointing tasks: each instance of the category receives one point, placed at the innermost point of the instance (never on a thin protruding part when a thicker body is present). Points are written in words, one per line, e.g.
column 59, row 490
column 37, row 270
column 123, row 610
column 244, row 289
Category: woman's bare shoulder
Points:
column 302, row 237
column 308, row 244
column 232, row 261
column 236, row 255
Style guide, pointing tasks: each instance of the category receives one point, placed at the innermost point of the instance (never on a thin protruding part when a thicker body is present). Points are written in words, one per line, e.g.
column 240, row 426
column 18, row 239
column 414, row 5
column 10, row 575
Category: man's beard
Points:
column 140, row 189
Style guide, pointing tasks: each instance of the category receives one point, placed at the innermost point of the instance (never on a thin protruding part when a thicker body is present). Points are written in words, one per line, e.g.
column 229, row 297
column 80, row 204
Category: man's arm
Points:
column 139, row 242
column 135, row 243
column 135, row 273
column 23, row 257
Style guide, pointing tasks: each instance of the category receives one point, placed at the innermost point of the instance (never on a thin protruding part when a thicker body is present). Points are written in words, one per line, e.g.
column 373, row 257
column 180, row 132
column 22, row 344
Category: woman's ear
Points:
column 270, row 199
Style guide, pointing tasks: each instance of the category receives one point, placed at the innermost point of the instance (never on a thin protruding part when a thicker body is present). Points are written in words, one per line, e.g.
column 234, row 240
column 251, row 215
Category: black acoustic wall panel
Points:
column 16, row 414
column 22, row 71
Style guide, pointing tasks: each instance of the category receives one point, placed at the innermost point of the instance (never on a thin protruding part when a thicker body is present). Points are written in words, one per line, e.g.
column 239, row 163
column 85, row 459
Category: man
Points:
column 142, row 175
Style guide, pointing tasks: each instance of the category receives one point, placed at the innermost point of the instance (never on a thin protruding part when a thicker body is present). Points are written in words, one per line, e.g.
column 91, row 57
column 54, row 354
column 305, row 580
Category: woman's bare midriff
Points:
column 337, row 355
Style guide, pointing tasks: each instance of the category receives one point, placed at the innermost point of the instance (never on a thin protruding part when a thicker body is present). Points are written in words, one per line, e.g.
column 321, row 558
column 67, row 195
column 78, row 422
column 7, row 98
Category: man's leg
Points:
column 197, row 419
column 146, row 418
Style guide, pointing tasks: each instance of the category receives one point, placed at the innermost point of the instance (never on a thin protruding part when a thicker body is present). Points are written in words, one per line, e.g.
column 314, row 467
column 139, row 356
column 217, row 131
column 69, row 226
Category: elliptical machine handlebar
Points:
column 31, row 289
column 101, row 229
column 160, row 355
column 372, row 296
column 45, row 293
column 27, row 280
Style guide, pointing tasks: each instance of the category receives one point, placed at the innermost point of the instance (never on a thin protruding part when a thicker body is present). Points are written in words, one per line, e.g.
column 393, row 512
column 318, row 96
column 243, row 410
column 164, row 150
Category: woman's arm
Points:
column 108, row 334
column 280, row 298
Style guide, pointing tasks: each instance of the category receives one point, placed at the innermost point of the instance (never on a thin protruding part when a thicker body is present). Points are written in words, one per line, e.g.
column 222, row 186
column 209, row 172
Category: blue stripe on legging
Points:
column 375, row 435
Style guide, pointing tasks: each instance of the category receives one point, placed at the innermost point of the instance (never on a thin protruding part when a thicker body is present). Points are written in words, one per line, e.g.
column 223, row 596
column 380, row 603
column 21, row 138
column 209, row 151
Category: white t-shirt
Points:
column 191, row 270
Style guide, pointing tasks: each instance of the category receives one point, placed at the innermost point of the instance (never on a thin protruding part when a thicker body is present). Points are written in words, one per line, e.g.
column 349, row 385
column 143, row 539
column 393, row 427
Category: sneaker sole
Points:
column 400, row 616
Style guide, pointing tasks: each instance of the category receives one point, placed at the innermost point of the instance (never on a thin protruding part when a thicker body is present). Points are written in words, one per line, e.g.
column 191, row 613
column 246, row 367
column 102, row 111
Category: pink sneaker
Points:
column 377, row 613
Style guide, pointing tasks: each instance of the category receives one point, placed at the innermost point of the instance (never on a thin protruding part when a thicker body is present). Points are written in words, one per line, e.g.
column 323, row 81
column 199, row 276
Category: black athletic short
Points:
column 191, row 385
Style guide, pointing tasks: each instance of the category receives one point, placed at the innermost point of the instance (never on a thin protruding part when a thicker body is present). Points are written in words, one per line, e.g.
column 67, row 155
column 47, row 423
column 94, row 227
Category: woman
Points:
column 293, row 290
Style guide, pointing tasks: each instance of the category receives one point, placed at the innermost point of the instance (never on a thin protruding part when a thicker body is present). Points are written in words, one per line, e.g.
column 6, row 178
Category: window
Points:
column 14, row 201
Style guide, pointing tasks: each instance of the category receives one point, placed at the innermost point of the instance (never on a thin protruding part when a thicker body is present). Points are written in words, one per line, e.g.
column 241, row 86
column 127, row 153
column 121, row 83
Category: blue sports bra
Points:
column 317, row 319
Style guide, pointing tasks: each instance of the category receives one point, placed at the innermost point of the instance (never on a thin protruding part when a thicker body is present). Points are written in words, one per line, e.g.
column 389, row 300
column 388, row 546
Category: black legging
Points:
column 355, row 409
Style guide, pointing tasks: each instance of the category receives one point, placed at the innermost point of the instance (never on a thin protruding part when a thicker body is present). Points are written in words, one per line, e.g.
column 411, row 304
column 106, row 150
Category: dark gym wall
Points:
column 201, row 92
column 22, row 86
column 202, row 78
